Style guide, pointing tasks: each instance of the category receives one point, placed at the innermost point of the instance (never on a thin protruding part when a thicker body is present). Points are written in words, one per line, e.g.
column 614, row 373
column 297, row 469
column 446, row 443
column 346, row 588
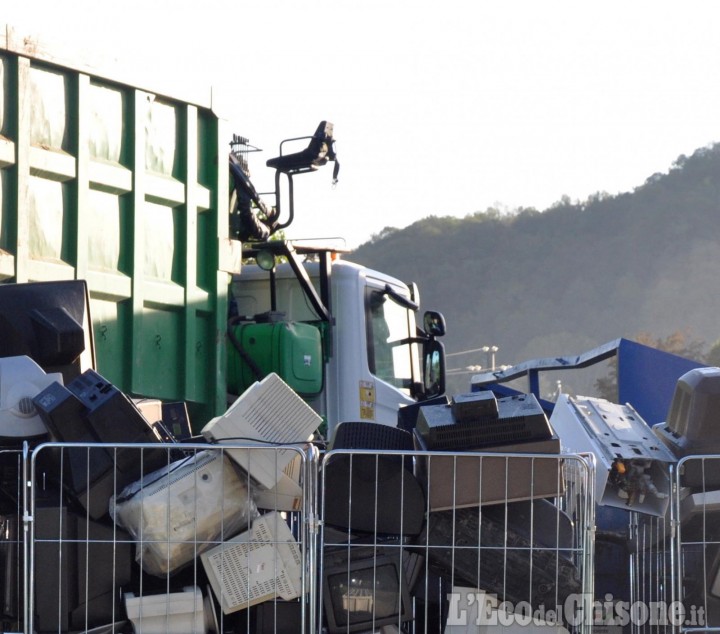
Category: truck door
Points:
column 392, row 355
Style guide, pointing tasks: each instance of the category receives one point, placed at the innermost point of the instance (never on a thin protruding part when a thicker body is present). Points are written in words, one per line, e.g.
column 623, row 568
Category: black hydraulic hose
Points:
column 242, row 352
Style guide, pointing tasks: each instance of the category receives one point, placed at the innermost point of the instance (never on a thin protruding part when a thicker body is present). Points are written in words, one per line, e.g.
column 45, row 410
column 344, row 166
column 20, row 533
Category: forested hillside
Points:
column 574, row 276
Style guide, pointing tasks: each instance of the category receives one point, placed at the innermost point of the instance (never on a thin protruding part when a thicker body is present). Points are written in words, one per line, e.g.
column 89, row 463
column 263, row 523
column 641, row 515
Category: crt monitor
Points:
column 692, row 421
column 693, row 426
column 50, row 323
column 363, row 594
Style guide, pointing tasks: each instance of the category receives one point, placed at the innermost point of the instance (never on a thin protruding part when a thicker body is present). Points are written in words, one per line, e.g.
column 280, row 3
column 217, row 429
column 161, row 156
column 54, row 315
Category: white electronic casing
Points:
column 619, row 439
column 176, row 512
column 258, row 565
column 287, row 494
column 269, row 413
column 183, row 612
column 21, row 379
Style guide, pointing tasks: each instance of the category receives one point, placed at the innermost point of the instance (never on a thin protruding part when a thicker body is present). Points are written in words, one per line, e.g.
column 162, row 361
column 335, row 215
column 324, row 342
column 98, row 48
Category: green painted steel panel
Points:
column 127, row 189
column 293, row 350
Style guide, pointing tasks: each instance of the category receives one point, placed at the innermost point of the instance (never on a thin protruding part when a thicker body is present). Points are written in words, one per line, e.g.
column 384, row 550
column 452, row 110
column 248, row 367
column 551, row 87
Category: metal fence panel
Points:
column 364, row 543
column 454, row 542
column 697, row 510
column 653, row 570
column 168, row 538
column 12, row 545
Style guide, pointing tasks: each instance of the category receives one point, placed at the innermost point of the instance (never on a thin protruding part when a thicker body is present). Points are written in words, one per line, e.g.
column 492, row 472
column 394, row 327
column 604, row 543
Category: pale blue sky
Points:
column 439, row 108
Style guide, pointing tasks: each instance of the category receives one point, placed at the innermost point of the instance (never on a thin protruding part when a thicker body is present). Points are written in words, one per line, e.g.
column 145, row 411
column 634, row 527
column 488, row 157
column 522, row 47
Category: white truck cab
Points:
column 369, row 352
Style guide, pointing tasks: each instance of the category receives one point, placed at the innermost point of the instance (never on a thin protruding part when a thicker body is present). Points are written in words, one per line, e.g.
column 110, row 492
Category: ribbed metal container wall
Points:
column 128, row 189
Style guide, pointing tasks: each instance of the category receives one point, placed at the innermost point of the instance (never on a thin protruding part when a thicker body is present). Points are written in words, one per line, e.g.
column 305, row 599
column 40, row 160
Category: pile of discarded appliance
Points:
column 127, row 500
column 136, row 519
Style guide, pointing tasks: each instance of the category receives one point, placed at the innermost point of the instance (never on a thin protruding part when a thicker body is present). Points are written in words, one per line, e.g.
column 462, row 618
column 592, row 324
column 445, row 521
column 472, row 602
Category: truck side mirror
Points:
column 434, row 323
column 433, row 368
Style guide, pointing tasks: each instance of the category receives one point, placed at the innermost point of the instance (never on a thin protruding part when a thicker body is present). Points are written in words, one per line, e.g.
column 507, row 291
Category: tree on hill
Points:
column 713, row 356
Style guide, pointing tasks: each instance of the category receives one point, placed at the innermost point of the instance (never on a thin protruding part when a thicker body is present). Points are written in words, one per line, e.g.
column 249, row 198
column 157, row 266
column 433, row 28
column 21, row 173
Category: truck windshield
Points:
column 388, row 325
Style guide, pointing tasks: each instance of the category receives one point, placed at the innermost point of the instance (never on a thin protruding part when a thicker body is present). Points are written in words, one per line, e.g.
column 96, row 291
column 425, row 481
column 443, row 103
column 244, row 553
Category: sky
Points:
column 439, row 108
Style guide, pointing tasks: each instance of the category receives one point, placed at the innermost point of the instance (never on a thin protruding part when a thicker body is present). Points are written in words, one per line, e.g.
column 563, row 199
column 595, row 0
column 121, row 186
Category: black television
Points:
column 363, row 592
column 50, row 323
